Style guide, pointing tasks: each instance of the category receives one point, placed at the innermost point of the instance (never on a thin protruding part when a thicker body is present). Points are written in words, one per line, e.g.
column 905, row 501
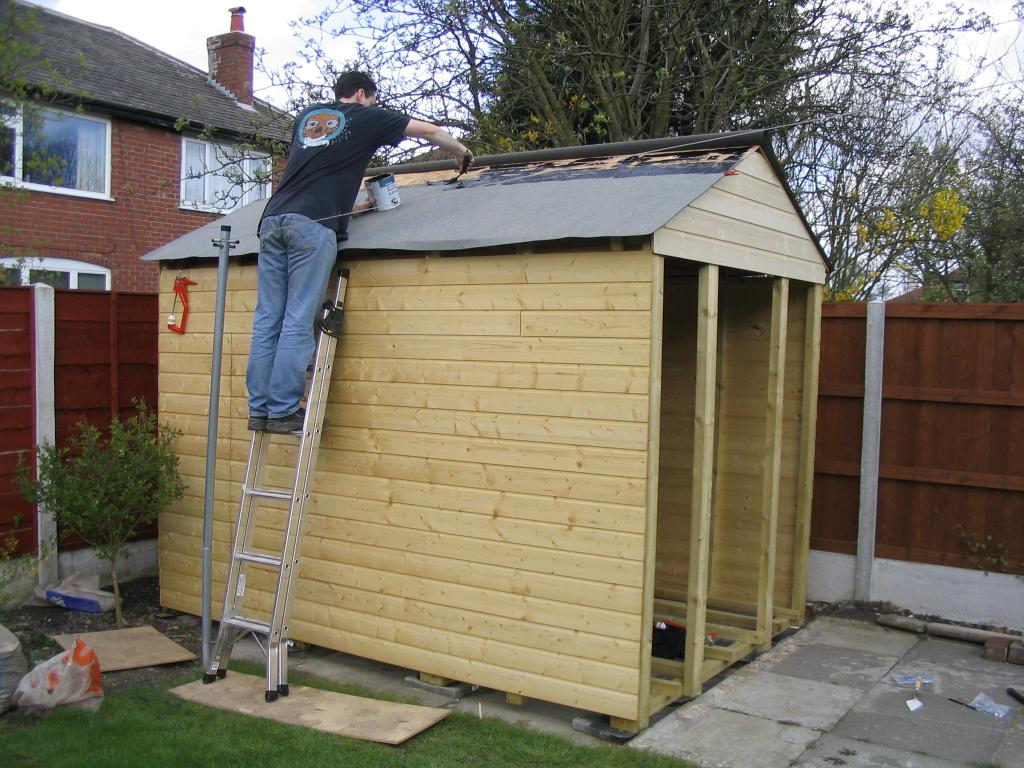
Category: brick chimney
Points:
column 231, row 57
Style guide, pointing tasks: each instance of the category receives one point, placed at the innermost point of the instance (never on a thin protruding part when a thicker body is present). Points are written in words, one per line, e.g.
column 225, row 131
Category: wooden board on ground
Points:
column 129, row 648
column 327, row 711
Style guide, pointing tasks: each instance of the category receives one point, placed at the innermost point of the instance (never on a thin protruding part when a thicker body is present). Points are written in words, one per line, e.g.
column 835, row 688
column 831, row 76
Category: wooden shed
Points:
column 575, row 396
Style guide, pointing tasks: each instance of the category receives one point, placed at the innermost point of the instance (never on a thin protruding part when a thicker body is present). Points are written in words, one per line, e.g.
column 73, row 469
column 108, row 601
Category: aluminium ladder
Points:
column 232, row 623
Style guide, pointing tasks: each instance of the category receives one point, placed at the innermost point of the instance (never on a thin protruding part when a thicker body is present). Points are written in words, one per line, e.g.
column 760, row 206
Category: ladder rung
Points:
column 267, row 494
column 272, row 561
column 252, row 625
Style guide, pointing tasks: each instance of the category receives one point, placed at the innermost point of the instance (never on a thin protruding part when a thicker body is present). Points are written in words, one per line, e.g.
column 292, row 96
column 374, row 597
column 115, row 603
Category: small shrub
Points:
column 101, row 488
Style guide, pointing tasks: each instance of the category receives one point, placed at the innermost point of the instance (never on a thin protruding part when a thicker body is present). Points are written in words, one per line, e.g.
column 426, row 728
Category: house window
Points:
column 60, row 273
column 220, row 177
column 51, row 150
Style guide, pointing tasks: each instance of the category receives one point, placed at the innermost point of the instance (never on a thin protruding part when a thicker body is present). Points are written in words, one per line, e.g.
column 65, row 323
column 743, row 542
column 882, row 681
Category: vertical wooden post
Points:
column 653, row 454
column 808, row 434
column 874, row 352
column 45, row 426
column 703, row 474
column 772, row 461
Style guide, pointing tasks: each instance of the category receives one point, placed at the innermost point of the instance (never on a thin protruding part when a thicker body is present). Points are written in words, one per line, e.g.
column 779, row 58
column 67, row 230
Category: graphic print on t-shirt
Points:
column 321, row 127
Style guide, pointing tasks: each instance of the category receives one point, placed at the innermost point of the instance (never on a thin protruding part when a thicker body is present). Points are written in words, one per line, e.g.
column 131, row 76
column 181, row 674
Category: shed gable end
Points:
column 746, row 221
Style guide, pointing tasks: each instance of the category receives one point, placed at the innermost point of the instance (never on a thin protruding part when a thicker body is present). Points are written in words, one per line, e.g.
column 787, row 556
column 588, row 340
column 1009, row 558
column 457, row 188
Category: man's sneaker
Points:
column 286, row 425
column 258, row 423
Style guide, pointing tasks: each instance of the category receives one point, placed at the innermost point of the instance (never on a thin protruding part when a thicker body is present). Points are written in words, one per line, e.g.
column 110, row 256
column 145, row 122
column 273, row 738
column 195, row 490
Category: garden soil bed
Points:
column 36, row 626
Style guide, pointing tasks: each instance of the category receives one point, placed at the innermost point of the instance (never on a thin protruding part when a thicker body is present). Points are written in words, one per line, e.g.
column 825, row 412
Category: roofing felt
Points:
column 619, row 196
column 100, row 66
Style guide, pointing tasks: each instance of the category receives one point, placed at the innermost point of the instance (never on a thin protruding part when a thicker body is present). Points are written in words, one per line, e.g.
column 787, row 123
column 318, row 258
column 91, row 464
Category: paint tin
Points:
column 384, row 191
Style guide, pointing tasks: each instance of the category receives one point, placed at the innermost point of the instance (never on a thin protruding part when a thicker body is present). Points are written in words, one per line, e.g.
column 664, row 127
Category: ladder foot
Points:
column 270, row 696
column 210, row 677
column 283, row 689
column 222, row 673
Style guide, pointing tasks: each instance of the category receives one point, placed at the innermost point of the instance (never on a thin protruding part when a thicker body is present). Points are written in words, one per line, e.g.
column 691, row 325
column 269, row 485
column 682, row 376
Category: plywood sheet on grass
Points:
column 337, row 713
column 129, row 648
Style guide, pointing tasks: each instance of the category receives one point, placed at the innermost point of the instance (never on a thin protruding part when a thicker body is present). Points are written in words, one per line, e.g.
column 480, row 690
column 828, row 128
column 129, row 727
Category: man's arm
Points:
column 420, row 129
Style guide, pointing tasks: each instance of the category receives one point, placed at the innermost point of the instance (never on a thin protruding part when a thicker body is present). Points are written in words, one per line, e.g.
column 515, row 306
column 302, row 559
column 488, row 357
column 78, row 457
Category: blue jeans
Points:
column 295, row 262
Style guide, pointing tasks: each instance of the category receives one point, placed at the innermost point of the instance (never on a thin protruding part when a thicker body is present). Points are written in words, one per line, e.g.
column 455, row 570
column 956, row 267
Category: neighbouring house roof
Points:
column 612, row 190
column 103, row 68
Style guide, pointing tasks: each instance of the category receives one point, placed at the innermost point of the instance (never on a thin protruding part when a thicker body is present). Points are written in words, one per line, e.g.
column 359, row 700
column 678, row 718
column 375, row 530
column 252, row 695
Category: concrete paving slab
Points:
column 960, row 671
column 857, row 636
column 947, row 740
column 716, row 738
column 836, row 665
column 785, row 699
column 891, row 701
column 1011, row 752
column 834, row 752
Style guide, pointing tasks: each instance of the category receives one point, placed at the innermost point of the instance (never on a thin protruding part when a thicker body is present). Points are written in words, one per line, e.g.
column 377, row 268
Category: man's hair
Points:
column 350, row 82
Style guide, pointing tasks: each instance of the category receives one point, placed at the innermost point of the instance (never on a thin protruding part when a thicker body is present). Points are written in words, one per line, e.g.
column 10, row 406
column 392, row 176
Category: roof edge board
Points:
column 708, row 141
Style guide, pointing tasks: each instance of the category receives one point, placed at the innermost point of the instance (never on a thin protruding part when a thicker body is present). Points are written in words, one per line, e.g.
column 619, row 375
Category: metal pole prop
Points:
column 225, row 244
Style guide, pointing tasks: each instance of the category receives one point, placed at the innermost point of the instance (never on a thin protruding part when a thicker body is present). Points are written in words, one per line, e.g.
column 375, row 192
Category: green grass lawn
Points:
column 147, row 727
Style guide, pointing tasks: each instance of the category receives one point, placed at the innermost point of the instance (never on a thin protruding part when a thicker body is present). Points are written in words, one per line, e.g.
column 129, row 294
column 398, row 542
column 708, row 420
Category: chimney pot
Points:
column 237, row 19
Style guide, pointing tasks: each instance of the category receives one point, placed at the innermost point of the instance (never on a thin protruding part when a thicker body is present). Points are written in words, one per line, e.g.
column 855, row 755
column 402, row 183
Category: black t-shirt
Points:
column 331, row 146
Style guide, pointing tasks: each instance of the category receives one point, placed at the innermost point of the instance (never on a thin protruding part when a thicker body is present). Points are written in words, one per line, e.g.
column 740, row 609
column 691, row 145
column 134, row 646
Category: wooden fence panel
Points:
column 951, row 476
column 105, row 356
column 17, row 516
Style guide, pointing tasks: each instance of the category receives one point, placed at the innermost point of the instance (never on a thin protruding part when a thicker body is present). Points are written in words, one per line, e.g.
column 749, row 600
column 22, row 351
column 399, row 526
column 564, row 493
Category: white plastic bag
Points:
column 72, row 677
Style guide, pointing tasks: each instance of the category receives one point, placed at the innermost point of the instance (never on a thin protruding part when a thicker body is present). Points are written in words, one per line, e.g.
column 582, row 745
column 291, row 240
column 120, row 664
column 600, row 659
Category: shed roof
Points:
column 612, row 190
column 102, row 67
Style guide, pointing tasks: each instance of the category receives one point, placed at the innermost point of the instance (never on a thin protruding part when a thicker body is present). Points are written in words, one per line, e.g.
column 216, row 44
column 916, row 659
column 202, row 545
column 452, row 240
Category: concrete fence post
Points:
column 45, row 427
column 869, row 453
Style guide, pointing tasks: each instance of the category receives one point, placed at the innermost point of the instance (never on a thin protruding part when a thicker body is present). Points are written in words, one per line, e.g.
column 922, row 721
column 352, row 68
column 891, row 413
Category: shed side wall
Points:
column 479, row 505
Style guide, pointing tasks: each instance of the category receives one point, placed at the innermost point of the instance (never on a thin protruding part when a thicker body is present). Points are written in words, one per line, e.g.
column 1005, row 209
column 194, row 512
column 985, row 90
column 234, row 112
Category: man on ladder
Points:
column 304, row 220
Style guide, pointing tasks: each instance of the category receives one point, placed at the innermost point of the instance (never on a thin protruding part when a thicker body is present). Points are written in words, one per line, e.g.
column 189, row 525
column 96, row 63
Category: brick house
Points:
column 117, row 148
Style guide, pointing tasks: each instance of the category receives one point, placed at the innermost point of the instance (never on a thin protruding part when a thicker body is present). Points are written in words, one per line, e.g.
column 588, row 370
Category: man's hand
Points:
column 365, row 202
column 464, row 160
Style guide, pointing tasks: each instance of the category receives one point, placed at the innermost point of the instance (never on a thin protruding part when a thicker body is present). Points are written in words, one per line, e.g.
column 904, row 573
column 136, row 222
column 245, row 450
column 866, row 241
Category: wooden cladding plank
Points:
column 598, row 267
column 440, row 322
column 537, row 376
column 618, row 490
column 496, row 504
column 541, row 296
column 526, row 349
column 726, row 217
column 458, row 547
column 587, row 405
column 547, row 429
column 606, row 325
column 560, row 538
column 569, row 458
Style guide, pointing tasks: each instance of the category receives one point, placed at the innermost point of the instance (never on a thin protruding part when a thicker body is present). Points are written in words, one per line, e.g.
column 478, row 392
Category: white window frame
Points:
column 248, row 195
column 54, row 264
column 17, row 121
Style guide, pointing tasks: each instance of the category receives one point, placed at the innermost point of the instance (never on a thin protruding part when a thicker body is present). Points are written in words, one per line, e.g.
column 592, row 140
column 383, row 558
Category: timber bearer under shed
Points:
column 302, row 225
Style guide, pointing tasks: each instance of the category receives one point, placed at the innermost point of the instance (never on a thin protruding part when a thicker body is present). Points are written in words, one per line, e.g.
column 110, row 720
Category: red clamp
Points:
column 181, row 285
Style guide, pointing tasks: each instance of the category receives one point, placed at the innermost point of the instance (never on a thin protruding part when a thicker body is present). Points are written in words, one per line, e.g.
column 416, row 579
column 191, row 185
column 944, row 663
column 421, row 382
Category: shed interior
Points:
column 738, row 377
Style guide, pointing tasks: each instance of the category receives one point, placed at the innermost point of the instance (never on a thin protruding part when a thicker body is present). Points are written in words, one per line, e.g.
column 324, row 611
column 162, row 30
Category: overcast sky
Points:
column 180, row 28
